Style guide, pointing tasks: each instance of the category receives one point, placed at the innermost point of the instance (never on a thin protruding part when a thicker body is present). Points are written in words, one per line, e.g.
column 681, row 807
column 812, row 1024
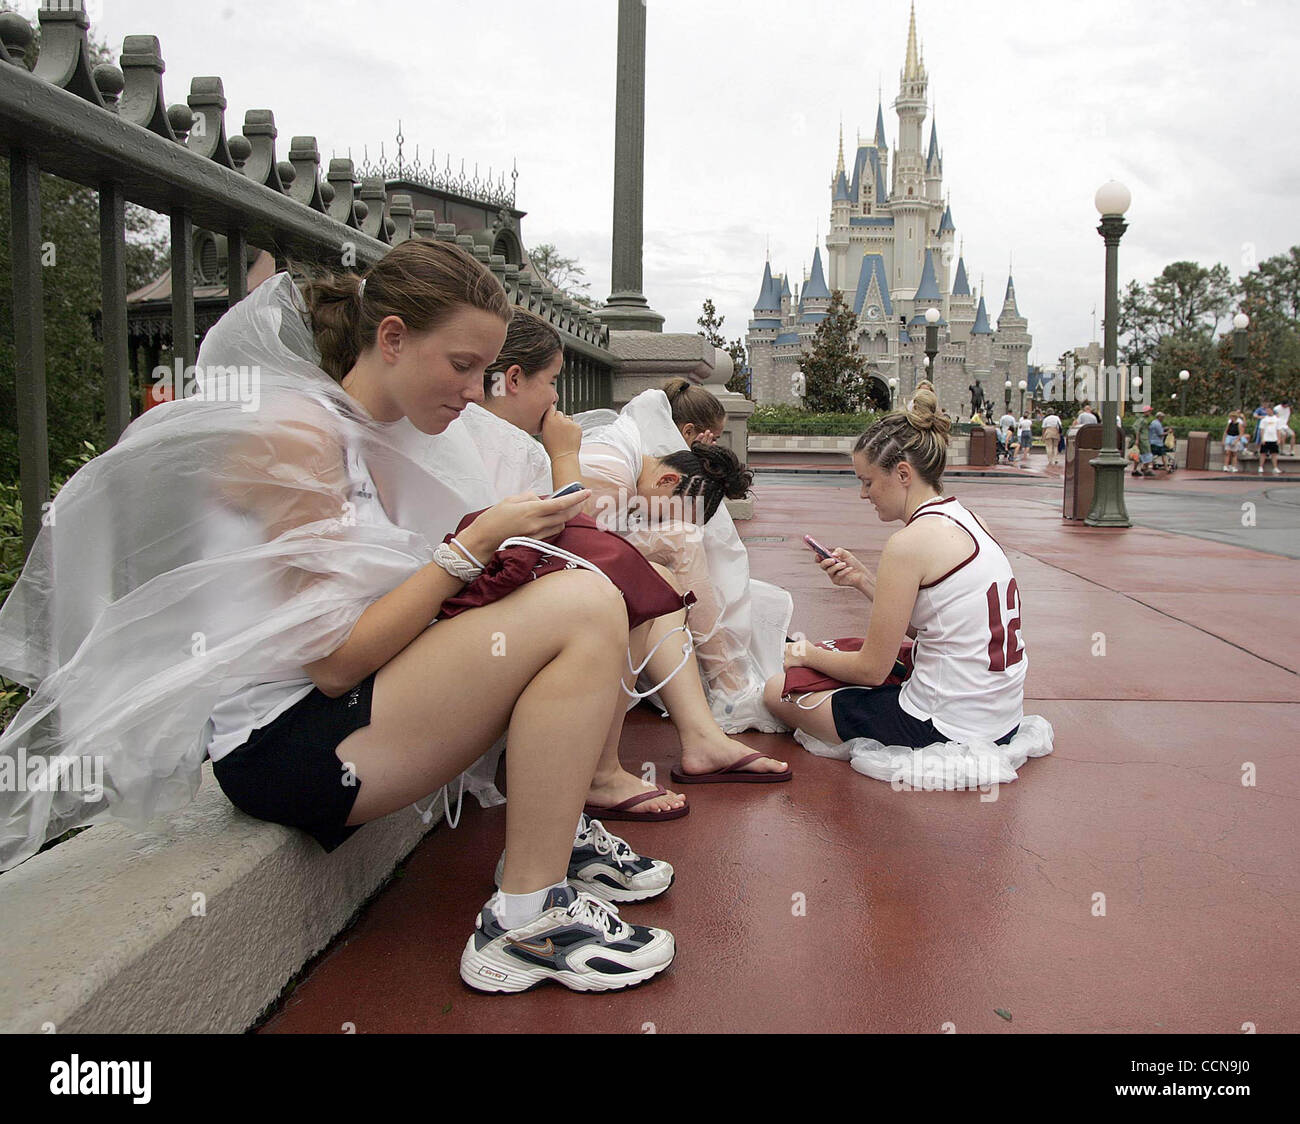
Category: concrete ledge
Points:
column 107, row 933
column 958, row 448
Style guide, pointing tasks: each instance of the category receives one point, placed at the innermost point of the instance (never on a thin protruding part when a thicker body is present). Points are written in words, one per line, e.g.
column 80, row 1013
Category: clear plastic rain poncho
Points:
column 210, row 550
column 738, row 624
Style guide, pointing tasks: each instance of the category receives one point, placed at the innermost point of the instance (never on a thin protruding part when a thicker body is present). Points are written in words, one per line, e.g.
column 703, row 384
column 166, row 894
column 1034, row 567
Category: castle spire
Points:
column 880, row 125
column 839, row 163
column 911, row 65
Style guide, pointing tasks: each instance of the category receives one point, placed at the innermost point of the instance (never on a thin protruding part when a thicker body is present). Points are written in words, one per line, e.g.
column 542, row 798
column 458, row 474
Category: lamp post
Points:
column 893, row 387
column 932, row 318
column 1137, row 389
column 1006, row 404
column 1022, row 386
column 1108, row 510
column 1240, row 323
column 1183, row 376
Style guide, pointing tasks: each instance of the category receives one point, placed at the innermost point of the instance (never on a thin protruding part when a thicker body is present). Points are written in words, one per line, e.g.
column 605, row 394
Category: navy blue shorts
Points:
column 287, row 771
column 873, row 712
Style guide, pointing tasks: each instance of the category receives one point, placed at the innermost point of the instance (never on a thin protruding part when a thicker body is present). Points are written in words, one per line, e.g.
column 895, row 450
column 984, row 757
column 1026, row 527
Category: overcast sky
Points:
column 1191, row 104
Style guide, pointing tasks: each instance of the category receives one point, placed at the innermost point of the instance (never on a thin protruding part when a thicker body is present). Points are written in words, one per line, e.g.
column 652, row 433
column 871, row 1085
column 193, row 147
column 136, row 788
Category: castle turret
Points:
column 947, row 232
column 933, row 169
column 1012, row 341
column 961, row 307
column 815, row 297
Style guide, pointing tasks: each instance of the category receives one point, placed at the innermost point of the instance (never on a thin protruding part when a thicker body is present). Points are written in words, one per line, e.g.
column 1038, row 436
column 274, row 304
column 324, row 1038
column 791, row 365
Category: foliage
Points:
column 711, row 324
column 12, row 696
column 564, row 273
column 796, row 421
column 835, row 379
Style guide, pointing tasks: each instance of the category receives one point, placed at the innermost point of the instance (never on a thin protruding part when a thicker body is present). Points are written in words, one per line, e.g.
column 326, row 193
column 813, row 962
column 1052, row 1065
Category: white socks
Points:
column 514, row 910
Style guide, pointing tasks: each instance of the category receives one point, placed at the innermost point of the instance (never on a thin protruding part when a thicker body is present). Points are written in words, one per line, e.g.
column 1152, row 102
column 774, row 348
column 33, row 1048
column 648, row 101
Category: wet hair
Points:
column 531, row 343
column 693, row 405
column 918, row 435
column 710, row 472
column 421, row 281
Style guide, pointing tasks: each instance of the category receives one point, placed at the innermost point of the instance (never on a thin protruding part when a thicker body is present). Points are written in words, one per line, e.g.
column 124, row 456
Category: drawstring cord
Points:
column 426, row 814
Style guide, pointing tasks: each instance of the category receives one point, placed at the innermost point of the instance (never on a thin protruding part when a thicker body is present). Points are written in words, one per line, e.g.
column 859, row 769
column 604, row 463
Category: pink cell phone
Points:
column 817, row 547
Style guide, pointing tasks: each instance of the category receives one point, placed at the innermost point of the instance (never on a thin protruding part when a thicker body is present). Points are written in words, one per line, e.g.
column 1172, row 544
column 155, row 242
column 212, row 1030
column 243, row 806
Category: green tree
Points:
column 564, row 273
column 834, row 372
column 1186, row 301
column 71, row 292
column 711, row 329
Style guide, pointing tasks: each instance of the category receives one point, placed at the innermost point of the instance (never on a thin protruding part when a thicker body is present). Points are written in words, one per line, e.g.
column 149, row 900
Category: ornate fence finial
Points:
column 207, row 101
column 305, row 188
column 341, row 179
column 261, row 165
column 401, row 214
column 16, row 36
column 375, row 197
column 142, row 102
column 110, row 82
column 65, row 52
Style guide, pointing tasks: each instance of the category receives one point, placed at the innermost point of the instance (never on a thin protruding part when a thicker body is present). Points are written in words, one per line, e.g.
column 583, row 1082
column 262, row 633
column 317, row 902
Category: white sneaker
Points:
column 604, row 866
column 1277, row 472
column 1227, row 468
column 577, row 941
column 1261, row 470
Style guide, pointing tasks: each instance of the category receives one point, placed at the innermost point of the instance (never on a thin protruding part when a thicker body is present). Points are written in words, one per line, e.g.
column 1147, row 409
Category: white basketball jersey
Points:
column 969, row 658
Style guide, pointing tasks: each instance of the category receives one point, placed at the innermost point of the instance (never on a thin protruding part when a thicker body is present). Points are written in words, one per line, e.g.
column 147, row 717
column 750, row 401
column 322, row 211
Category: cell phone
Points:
column 817, row 547
column 569, row 489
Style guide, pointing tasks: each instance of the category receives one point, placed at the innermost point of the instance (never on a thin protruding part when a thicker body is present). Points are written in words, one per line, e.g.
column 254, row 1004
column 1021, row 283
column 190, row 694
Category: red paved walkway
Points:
column 926, row 908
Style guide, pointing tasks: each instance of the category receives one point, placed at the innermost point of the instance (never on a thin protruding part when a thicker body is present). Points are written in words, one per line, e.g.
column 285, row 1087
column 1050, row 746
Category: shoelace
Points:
column 587, row 910
column 608, row 844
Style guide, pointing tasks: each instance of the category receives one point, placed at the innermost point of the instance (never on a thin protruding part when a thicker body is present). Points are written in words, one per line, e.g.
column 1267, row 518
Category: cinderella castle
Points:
column 890, row 255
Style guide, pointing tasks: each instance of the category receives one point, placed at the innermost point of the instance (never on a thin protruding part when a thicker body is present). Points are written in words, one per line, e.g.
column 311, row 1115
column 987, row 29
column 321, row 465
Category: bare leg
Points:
column 817, row 721
column 705, row 748
column 544, row 660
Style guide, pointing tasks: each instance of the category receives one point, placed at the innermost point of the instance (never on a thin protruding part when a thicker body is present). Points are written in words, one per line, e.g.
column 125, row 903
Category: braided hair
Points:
column 918, row 435
column 711, row 473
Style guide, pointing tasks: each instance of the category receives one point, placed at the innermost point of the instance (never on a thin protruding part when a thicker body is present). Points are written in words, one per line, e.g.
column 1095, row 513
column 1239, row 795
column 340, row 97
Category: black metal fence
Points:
column 109, row 128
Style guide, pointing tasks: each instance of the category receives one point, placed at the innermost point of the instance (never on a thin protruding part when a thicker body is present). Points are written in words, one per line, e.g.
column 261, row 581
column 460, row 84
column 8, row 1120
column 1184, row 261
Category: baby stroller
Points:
column 1007, row 446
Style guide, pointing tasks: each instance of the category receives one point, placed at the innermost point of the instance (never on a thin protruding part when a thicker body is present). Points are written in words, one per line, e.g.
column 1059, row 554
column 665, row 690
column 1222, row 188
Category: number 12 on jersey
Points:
column 1005, row 647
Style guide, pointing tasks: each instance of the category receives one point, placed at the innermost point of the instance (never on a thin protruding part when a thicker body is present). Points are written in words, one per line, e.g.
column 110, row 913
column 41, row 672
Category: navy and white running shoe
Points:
column 604, row 866
column 577, row 941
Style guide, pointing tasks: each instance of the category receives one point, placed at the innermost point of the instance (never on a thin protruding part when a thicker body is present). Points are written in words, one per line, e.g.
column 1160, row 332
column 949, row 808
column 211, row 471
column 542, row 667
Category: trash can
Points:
column 983, row 451
column 1082, row 444
column 1198, row 451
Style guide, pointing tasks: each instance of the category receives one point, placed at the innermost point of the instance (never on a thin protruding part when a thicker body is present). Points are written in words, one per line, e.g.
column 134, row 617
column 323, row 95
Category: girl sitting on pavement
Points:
column 942, row 580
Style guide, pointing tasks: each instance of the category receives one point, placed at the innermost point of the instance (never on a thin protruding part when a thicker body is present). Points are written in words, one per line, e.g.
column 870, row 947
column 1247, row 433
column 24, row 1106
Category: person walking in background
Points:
column 1026, row 438
column 1264, row 409
column 1086, row 416
column 1052, row 438
column 1142, row 442
column 1234, row 441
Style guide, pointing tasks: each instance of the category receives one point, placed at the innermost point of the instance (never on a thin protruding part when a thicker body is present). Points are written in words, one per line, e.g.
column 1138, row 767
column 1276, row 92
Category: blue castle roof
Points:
column 787, row 337
column 769, row 296
column 816, row 288
column 981, row 321
column 928, row 290
column 841, row 188
column 880, row 127
column 873, row 265
column 1010, row 298
column 934, row 147
column 961, row 286
column 946, row 222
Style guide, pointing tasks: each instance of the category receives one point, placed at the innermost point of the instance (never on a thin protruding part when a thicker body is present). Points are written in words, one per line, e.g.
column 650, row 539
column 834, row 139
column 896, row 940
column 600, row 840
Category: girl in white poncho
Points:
column 520, row 399
column 258, row 584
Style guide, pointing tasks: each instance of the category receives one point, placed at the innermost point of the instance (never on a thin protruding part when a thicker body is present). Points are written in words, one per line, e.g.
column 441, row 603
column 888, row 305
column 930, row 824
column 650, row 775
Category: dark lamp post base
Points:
column 630, row 312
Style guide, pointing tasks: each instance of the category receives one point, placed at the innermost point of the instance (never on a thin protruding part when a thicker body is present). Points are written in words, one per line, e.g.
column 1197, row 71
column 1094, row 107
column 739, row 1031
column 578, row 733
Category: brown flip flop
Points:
column 734, row 774
column 623, row 810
